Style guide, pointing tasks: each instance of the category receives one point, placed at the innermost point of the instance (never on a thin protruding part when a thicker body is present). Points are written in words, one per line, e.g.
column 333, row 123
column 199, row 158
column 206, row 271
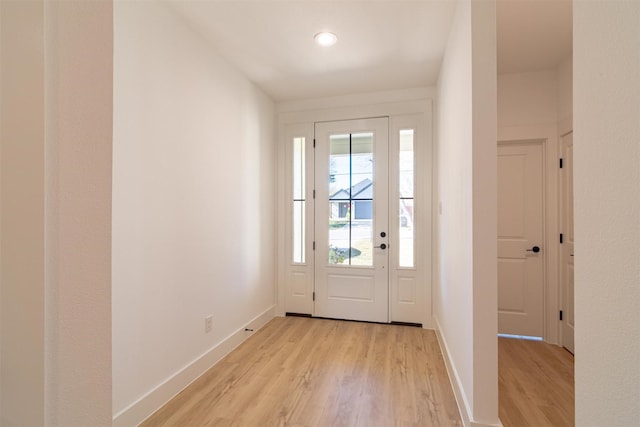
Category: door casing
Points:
column 297, row 278
column 567, row 259
column 548, row 134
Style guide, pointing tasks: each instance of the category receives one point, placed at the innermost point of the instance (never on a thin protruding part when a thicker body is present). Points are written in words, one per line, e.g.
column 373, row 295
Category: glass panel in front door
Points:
column 351, row 210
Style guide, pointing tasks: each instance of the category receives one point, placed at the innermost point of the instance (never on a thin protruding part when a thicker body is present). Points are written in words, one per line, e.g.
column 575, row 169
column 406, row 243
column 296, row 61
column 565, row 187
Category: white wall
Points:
column 465, row 294
column 193, row 200
column 56, row 204
column 526, row 99
column 23, row 212
column 79, row 134
column 1, row 138
column 485, row 213
column 454, row 284
column 564, row 78
column 606, row 118
column 531, row 99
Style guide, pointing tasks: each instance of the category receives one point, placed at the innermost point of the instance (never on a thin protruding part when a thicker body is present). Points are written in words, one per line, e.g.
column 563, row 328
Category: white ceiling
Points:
column 382, row 45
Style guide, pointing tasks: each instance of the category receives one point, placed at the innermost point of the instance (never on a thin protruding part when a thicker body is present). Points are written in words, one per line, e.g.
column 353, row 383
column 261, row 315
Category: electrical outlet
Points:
column 208, row 324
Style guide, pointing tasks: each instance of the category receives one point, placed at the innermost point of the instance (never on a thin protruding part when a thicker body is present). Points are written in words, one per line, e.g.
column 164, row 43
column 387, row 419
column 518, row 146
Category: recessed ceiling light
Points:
column 325, row 39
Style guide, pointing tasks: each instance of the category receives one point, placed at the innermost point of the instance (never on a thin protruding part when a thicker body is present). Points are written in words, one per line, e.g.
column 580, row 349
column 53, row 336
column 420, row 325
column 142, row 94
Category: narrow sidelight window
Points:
column 406, row 213
column 299, row 205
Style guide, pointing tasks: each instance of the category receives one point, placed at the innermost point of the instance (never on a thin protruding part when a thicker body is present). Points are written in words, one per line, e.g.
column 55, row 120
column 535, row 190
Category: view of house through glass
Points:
column 406, row 180
column 351, row 199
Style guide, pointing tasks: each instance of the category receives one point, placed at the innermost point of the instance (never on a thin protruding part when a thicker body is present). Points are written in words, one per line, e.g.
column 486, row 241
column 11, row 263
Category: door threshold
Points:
column 520, row 337
column 371, row 321
column 415, row 325
column 288, row 314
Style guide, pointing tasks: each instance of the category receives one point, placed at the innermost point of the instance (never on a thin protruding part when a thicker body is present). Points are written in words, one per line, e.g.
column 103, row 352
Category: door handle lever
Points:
column 534, row 249
column 382, row 246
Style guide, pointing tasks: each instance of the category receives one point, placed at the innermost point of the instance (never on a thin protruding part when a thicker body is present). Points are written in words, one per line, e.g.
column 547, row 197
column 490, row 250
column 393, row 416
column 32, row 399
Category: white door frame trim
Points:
column 562, row 303
column 549, row 137
column 383, row 107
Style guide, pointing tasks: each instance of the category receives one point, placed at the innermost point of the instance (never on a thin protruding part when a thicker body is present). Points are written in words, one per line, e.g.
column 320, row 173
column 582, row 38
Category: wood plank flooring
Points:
column 317, row 372
column 535, row 384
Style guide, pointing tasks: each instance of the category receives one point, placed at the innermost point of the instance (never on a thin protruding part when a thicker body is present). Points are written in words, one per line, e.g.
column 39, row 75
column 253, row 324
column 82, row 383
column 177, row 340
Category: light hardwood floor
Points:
column 317, row 372
column 535, row 384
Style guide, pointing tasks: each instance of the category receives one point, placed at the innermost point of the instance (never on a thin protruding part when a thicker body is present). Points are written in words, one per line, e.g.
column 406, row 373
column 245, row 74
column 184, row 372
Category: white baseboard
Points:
column 141, row 409
column 461, row 398
column 454, row 379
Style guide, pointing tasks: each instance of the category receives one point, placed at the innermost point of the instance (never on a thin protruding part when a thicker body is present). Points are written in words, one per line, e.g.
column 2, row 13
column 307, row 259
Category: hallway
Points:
column 536, row 386
column 145, row 221
column 318, row 372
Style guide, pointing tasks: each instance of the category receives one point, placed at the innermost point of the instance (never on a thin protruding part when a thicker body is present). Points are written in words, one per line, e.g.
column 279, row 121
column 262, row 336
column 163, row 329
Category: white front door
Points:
column 566, row 268
column 351, row 220
column 520, row 237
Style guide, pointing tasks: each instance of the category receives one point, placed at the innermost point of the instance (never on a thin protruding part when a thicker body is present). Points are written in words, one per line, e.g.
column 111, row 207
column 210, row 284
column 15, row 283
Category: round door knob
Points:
column 534, row 249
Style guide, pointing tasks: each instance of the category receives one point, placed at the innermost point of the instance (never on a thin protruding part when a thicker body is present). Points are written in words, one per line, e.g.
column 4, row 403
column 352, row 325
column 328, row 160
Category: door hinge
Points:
column 314, row 193
column 561, row 238
column 314, row 143
column 314, row 296
column 561, row 164
column 560, row 314
column 314, row 245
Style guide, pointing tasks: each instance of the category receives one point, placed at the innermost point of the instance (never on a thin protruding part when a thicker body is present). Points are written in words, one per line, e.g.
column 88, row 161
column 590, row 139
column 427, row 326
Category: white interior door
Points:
column 520, row 237
column 351, row 220
column 566, row 282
